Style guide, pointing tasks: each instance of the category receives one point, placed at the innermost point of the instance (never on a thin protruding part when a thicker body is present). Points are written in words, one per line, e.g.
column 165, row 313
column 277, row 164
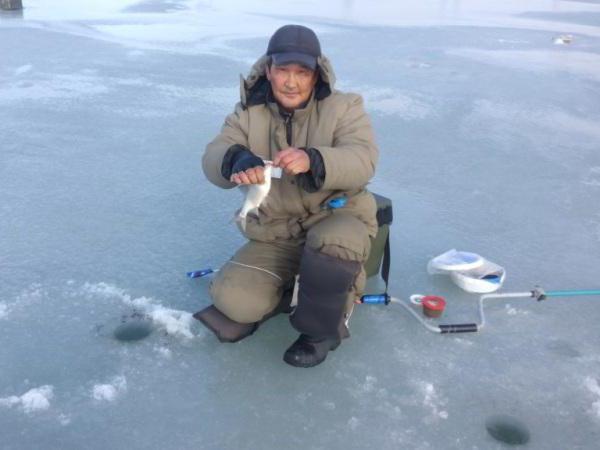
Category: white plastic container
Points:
column 469, row 271
column 482, row 280
column 454, row 260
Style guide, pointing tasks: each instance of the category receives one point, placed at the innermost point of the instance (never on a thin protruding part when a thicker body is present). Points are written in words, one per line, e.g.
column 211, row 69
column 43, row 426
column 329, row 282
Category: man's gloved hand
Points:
column 241, row 166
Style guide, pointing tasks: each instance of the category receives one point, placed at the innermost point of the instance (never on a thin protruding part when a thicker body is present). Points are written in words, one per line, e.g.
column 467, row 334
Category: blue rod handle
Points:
column 200, row 273
column 572, row 293
column 375, row 299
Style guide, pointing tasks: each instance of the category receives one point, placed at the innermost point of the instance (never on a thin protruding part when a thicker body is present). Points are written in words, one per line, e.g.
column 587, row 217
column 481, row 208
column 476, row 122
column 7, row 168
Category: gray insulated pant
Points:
column 247, row 295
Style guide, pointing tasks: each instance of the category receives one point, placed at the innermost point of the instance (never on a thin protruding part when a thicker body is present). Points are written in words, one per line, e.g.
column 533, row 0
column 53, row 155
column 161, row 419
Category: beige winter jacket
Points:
column 332, row 122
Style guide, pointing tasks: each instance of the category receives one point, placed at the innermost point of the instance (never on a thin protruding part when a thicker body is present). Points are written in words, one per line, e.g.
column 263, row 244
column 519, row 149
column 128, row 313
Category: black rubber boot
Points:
column 325, row 283
column 309, row 352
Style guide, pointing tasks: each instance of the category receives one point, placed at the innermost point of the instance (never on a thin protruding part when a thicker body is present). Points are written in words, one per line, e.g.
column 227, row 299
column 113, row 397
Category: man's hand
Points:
column 292, row 160
column 253, row 175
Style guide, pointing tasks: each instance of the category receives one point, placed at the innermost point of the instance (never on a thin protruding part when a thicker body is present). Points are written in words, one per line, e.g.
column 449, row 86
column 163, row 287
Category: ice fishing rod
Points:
column 204, row 272
column 538, row 293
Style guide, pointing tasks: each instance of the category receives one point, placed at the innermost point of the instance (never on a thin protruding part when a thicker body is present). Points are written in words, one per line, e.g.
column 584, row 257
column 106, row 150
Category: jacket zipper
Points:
column 288, row 128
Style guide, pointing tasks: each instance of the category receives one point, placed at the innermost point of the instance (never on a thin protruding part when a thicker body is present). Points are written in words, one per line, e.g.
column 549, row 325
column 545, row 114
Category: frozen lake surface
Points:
column 489, row 135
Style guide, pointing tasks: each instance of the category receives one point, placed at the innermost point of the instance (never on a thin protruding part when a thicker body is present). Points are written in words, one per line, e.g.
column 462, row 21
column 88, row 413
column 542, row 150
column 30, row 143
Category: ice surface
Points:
column 490, row 142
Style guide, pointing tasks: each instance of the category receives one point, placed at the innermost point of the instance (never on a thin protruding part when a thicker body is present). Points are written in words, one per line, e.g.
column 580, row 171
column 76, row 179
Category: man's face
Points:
column 292, row 84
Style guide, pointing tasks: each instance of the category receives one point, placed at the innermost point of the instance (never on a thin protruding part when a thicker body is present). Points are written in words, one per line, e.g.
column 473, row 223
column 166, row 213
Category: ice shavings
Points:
column 433, row 401
column 512, row 311
column 34, row 400
column 31, row 295
column 592, row 385
column 174, row 322
column 164, row 352
column 110, row 391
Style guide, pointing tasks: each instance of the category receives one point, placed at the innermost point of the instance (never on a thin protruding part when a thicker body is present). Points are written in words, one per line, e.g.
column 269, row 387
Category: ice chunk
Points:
column 110, row 391
column 37, row 399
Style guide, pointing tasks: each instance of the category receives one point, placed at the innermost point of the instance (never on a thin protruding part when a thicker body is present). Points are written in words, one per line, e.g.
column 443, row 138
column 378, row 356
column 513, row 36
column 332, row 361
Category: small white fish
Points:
column 255, row 195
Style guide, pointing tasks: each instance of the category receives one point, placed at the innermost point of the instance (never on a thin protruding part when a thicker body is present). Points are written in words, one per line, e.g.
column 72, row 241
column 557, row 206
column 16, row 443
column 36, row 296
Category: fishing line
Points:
column 257, row 268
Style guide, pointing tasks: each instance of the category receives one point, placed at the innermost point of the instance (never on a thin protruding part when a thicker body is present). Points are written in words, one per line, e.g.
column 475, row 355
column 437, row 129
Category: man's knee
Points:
column 345, row 237
column 245, row 294
column 341, row 236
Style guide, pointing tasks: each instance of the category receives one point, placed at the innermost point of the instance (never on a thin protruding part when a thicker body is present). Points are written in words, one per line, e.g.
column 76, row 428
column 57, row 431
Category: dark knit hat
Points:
column 294, row 44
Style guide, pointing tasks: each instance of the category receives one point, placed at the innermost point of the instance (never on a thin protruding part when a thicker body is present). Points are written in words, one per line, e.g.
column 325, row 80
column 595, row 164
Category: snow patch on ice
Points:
column 369, row 384
column 23, row 69
column 330, row 406
column 110, row 391
column 593, row 177
column 3, row 310
column 433, row 401
column 512, row 311
column 463, row 341
column 173, row 321
column 353, row 423
column 303, row 396
column 164, row 352
column 579, row 63
column 52, row 87
column 512, row 41
column 592, row 385
column 154, row 32
column 64, row 419
column 28, row 296
column 515, row 116
column 34, row 400
column 32, row 294
column 389, row 101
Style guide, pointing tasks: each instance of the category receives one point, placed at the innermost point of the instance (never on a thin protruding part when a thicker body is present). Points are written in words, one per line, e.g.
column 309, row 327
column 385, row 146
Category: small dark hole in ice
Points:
column 507, row 429
column 133, row 331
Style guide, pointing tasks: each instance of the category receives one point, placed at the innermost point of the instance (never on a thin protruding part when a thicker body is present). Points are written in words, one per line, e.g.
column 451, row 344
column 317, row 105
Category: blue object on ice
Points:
column 200, row 273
